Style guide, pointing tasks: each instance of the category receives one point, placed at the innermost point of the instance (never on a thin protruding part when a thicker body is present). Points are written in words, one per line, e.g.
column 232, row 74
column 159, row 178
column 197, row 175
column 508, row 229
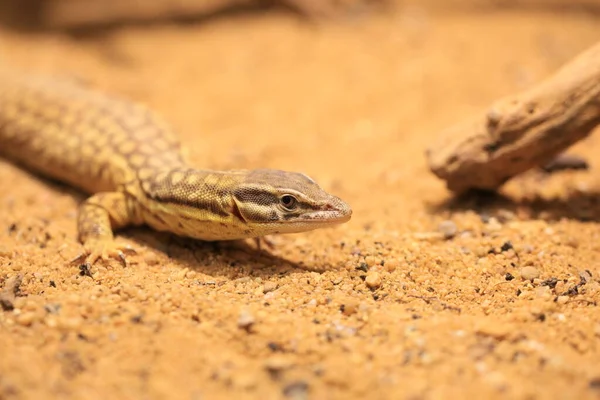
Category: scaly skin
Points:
column 130, row 160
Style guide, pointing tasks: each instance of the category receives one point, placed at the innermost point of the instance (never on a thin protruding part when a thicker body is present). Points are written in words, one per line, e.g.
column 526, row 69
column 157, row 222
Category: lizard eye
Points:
column 288, row 202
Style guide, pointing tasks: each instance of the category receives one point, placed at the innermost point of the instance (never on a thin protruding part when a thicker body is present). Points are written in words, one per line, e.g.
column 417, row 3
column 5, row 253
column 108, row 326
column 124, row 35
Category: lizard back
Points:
column 86, row 138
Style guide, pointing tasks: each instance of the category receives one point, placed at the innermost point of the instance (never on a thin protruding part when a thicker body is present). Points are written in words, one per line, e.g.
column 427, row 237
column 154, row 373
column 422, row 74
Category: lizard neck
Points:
column 191, row 202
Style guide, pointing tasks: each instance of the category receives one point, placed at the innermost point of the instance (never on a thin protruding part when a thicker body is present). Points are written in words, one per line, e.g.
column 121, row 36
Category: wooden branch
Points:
column 71, row 14
column 522, row 131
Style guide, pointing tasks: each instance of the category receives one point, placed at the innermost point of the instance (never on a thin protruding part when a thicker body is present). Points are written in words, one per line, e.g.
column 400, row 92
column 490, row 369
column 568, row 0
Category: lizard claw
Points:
column 103, row 251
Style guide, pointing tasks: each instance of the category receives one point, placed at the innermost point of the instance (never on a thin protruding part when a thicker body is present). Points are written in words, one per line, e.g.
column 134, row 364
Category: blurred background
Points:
column 350, row 92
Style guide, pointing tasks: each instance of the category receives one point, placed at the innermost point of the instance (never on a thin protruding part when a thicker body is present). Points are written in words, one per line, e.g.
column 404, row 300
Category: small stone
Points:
column 560, row 287
column 562, row 299
column 506, row 246
column 527, row 248
column 190, row 274
column 180, row 275
column 572, row 241
column 151, row 259
column 278, row 363
column 585, row 276
column 52, row 308
column 373, row 280
column 297, row 390
column 494, row 116
column 244, row 380
column 26, row 318
column 269, row 287
column 543, row 292
column 245, row 320
column 9, row 292
column 529, row 273
column 494, row 329
column 481, row 251
column 466, row 235
column 448, row 229
column 68, row 324
column 505, row 215
column 391, row 264
column 349, row 307
column 493, row 225
column 5, row 252
column 371, row 261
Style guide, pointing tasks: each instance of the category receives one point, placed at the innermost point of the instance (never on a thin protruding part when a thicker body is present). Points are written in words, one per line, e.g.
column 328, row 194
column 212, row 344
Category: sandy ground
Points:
column 377, row 308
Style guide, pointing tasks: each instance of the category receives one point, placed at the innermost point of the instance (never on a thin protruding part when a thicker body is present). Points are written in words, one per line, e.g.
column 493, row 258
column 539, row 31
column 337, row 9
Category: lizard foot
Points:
column 103, row 251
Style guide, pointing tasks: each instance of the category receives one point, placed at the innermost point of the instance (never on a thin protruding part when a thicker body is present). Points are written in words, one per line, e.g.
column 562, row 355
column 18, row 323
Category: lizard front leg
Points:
column 98, row 217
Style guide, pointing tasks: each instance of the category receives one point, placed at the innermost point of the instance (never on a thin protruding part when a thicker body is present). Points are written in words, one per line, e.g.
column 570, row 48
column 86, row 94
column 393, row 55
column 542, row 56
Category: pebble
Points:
column 560, row 287
column 494, row 329
column 506, row 215
column 527, row 248
column 269, row 287
column 151, row 259
column 278, row 363
column 349, row 307
column 373, row 280
column 180, row 275
column 448, row 228
column 5, row 252
column 585, row 276
column 372, row 261
column 68, row 324
column 297, row 390
column 52, row 308
column 190, row 274
column 245, row 320
column 466, row 234
column 391, row 264
column 562, row 299
column 244, row 380
column 26, row 318
column 529, row 273
column 481, row 251
column 493, row 225
column 543, row 292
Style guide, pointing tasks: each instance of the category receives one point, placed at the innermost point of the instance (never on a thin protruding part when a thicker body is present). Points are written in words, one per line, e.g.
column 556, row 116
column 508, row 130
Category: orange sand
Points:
column 378, row 308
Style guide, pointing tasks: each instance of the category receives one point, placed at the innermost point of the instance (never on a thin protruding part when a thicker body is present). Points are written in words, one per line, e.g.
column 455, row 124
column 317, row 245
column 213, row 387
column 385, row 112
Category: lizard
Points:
column 130, row 161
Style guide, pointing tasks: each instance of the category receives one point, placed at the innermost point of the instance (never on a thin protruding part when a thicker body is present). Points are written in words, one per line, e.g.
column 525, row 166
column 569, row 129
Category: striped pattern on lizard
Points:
column 130, row 160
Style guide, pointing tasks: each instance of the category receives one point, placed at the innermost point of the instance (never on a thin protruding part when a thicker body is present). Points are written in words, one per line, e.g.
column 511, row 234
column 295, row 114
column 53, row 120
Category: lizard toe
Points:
column 104, row 252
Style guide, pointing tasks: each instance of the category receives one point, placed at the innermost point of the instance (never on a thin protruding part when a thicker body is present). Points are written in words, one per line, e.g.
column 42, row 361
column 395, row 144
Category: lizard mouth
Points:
column 334, row 215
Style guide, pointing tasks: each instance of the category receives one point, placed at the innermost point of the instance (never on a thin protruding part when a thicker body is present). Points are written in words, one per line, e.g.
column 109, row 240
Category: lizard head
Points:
column 273, row 201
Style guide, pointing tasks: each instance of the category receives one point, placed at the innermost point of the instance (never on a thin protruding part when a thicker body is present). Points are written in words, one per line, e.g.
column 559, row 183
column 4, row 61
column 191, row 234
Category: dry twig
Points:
column 522, row 131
